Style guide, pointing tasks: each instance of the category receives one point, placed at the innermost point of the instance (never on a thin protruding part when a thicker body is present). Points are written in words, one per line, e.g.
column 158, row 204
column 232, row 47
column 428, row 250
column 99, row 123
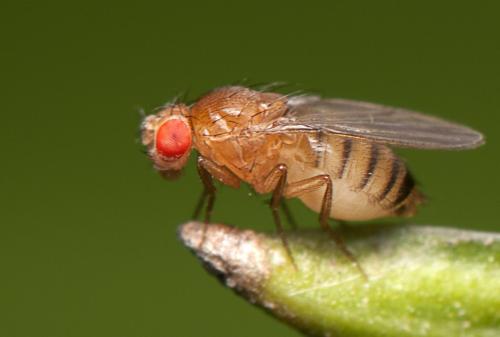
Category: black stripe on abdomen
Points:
column 405, row 188
column 372, row 165
column 346, row 154
column 396, row 164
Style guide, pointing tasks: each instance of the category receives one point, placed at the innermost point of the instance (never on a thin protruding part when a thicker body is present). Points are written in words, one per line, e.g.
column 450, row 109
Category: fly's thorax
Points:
column 230, row 110
column 249, row 158
column 220, row 123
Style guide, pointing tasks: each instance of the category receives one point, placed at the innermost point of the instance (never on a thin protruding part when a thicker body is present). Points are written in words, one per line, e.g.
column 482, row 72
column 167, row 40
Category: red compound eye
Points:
column 173, row 138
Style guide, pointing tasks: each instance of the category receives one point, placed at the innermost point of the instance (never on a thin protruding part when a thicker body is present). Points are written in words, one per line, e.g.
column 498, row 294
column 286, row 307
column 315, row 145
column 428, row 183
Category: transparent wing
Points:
column 395, row 126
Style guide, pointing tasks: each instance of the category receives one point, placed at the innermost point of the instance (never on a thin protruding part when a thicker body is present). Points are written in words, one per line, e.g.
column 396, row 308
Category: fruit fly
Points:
column 333, row 154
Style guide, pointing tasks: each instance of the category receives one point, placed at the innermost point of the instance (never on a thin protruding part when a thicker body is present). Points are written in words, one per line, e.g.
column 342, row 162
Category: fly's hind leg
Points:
column 276, row 182
column 324, row 215
column 300, row 187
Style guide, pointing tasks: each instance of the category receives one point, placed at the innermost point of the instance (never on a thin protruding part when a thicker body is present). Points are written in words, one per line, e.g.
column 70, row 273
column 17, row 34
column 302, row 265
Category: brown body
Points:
column 330, row 153
column 369, row 181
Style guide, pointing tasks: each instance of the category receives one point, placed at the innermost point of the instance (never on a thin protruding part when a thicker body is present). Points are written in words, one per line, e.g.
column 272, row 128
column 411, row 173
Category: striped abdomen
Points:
column 369, row 180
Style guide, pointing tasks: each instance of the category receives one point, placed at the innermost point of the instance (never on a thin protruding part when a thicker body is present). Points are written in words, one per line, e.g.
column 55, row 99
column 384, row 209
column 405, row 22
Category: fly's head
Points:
column 168, row 138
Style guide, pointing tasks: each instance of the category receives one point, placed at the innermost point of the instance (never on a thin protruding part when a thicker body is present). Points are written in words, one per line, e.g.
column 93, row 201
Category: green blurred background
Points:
column 88, row 242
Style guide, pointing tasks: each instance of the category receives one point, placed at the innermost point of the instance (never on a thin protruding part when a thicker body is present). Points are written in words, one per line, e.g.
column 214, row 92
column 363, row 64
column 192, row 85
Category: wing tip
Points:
column 476, row 140
column 479, row 141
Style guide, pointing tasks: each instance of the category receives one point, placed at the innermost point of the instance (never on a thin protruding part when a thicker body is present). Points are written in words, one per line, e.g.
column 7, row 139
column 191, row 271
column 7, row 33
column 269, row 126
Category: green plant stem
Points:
column 422, row 281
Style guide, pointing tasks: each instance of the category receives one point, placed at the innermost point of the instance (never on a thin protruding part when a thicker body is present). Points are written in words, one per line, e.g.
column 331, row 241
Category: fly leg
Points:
column 276, row 182
column 324, row 215
column 208, row 191
column 288, row 215
column 206, row 170
column 200, row 203
column 311, row 184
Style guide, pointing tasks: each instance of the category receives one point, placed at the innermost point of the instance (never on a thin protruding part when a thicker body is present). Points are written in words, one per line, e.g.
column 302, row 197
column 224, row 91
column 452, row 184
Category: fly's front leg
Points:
column 208, row 191
column 314, row 183
column 206, row 170
column 200, row 203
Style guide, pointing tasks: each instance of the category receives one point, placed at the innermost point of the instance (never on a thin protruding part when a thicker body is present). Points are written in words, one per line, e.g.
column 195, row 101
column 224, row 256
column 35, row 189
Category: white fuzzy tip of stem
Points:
column 234, row 255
